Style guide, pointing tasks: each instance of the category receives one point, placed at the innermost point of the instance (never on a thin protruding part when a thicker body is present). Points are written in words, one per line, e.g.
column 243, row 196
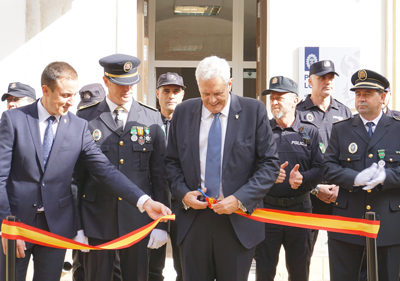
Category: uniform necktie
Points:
column 166, row 124
column 48, row 139
column 370, row 125
column 118, row 119
column 213, row 158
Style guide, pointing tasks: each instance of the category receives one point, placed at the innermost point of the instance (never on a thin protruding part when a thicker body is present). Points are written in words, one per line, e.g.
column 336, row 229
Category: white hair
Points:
column 213, row 67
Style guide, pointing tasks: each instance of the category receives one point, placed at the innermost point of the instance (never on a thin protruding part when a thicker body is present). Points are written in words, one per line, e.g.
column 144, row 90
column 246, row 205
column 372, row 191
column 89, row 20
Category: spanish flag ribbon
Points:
column 362, row 227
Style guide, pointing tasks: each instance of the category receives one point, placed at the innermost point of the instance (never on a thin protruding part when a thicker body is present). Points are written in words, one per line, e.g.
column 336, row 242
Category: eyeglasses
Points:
column 14, row 99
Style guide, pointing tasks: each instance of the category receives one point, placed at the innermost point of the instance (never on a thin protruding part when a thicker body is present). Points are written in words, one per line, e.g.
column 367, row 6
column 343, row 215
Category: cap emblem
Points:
column 327, row 63
column 127, row 66
column 171, row 77
column 362, row 74
column 13, row 85
column 86, row 96
column 275, row 80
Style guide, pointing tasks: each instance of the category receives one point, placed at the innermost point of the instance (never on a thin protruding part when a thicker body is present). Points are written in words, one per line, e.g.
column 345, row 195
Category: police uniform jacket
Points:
column 293, row 148
column 105, row 216
column 349, row 152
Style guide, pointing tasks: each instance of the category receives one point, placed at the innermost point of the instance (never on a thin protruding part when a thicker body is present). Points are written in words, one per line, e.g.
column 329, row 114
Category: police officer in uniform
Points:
column 130, row 134
column 321, row 109
column 170, row 92
column 364, row 160
column 19, row 94
column 298, row 146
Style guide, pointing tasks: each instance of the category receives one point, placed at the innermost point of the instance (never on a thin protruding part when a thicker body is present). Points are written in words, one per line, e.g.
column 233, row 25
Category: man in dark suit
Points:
column 39, row 147
column 137, row 148
column 222, row 143
column 363, row 160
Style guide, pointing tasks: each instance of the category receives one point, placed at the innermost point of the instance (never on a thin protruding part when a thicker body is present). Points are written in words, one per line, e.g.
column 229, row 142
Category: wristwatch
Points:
column 315, row 190
column 241, row 206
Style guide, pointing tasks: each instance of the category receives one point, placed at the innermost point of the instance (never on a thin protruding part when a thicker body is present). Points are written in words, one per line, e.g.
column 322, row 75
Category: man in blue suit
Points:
column 223, row 144
column 39, row 147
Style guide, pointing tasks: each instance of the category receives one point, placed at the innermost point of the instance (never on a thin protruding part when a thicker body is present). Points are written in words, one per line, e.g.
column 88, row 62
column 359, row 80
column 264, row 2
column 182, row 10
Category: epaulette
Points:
column 396, row 118
column 148, row 106
column 88, row 105
column 342, row 120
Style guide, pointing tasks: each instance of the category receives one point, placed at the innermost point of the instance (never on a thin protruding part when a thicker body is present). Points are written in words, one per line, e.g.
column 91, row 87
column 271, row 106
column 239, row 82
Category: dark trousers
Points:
column 211, row 250
column 100, row 265
column 157, row 256
column 48, row 261
column 297, row 244
column 345, row 261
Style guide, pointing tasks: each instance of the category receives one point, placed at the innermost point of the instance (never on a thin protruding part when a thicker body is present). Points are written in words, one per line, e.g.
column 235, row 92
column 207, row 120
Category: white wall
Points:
column 80, row 34
column 324, row 23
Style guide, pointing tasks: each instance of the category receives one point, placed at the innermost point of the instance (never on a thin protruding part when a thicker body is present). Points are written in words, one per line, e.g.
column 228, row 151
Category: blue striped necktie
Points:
column 213, row 159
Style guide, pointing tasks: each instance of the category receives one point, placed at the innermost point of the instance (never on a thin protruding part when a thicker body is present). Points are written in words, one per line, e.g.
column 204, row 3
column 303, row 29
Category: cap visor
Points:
column 325, row 72
column 125, row 81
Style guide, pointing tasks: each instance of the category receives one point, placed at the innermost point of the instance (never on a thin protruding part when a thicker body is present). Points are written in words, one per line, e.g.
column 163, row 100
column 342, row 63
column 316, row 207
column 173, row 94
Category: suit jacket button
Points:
column 119, row 198
column 368, row 207
column 144, row 149
column 121, row 161
column 34, row 204
column 84, row 196
column 121, row 143
column 337, row 203
column 370, row 155
column 369, row 190
column 348, row 159
column 391, row 160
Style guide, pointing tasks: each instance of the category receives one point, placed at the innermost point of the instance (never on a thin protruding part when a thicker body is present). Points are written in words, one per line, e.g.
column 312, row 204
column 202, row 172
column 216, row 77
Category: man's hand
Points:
column 21, row 248
column 158, row 237
column 296, row 179
column 190, row 199
column 282, row 173
column 365, row 175
column 227, row 205
column 155, row 209
column 327, row 193
column 378, row 178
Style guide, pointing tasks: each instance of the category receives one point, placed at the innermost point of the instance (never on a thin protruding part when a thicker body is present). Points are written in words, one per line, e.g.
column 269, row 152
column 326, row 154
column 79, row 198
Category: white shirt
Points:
column 112, row 106
column 375, row 121
column 127, row 106
column 206, row 120
column 43, row 115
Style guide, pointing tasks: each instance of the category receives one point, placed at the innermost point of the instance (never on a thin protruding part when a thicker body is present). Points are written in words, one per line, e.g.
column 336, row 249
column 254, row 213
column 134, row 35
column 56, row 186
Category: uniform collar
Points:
column 295, row 127
column 309, row 102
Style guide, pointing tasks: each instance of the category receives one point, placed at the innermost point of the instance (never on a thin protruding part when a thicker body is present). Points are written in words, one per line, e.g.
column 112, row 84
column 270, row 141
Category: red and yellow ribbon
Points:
column 362, row 227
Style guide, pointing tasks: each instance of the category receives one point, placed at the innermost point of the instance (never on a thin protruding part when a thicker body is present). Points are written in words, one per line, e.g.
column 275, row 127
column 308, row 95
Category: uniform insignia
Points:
column 147, row 136
column 88, row 105
column 172, row 77
column 275, row 80
column 353, row 148
column 381, row 154
column 13, row 85
column 96, row 134
column 148, row 106
column 310, row 117
column 86, row 96
column 127, row 66
column 362, row 74
column 327, row 63
column 339, row 118
column 322, row 147
column 134, row 136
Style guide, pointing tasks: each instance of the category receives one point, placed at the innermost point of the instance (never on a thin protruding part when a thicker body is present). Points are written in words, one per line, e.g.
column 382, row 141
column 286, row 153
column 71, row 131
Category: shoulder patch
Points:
column 88, row 105
column 148, row 106
column 342, row 120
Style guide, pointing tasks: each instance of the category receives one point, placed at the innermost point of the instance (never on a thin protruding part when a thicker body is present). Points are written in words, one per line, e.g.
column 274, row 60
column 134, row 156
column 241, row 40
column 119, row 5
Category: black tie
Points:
column 48, row 139
column 370, row 125
column 166, row 124
column 118, row 119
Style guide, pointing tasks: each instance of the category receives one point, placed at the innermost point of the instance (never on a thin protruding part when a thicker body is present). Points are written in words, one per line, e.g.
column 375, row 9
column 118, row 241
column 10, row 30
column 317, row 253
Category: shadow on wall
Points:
column 41, row 13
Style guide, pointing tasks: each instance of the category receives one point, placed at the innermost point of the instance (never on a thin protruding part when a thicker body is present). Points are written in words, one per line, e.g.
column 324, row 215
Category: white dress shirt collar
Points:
column 375, row 121
column 43, row 114
column 113, row 106
column 205, row 113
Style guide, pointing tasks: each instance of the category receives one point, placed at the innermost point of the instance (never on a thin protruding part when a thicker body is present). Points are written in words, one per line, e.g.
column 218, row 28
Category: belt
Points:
column 286, row 202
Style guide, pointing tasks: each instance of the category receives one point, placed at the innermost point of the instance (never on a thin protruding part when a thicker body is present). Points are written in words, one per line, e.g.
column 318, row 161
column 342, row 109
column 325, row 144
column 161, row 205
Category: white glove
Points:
column 81, row 238
column 378, row 178
column 365, row 175
column 158, row 237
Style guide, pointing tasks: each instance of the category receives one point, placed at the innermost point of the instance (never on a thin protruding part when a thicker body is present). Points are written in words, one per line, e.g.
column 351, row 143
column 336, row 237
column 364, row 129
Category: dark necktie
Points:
column 118, row 119
column 48, row 139
column 166, row 124
column 213, row 158
column 370, row 125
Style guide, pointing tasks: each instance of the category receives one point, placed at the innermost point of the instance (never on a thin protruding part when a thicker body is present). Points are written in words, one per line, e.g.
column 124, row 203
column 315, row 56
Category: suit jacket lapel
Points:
column 380, row 130
column 360, row 128
column 133, row 116
column 194, row 123
column 33, row 122
column 106, row 116
column 231, row 129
